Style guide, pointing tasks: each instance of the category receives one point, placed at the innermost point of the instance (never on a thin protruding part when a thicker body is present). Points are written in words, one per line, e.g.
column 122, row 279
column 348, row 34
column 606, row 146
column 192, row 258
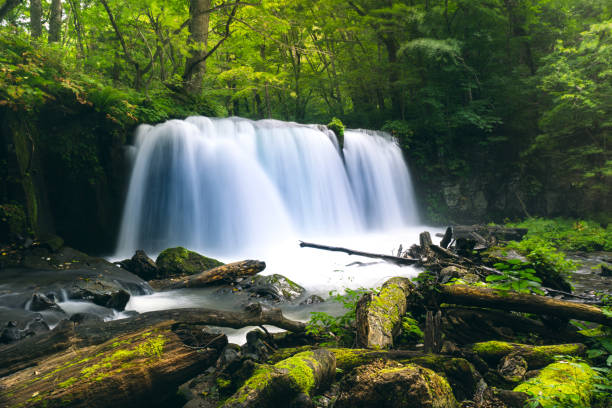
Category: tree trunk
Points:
column 7, row 7
column 55, row 21
column 27, row 352
column 379, row 317
column 35, row 18
column 136, row 368
column 520, row 302
column 198, row 38
column 224, row 273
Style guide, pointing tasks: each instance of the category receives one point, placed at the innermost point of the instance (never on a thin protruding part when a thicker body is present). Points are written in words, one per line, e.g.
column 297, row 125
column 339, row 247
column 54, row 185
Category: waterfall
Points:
column 218, row 185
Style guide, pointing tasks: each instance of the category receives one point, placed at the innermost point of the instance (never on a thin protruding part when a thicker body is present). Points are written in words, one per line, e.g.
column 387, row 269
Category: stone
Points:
column 141, row 265
column 101, row 292
column 41, row 302
column 512, row 368
column 312, row 300
column 52, row 242
column 180, row 262
column 451, row 272
column 274, row 287
column 392, row 385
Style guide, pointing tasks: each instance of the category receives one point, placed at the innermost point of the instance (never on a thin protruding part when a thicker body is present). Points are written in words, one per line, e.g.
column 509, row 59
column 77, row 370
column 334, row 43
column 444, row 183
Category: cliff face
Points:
column 64, row 168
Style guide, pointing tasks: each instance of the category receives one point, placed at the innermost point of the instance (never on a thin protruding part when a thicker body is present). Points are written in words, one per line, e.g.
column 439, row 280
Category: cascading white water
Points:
column 218, row 186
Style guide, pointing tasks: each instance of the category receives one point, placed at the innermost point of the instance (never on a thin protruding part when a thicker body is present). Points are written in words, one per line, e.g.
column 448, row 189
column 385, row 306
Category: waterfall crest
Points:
column 215, row 185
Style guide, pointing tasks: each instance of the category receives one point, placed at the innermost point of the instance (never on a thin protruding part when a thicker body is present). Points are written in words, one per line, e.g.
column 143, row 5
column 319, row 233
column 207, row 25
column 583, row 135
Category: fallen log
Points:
column 379, row 317
column 30, row 351
column 135, row 369
column 224, row 273
column 521, row 302
column 389, row 258
column 481, row 233
column 535, row 356
column 278, row 384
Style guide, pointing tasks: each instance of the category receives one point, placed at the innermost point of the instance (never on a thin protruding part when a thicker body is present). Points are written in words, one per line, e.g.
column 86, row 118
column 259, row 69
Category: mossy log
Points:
column 134, row 369
column 348, row 358
column 276, row 385
column 379, row 317
column 389, row 258
column 31, row 350
column 224, row 273
column 535, row 356
column 521, row 302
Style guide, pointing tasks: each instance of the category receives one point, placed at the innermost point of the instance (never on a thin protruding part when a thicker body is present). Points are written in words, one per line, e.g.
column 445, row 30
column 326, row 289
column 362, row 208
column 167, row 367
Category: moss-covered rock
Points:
column 565, row 384
column 460, row 373
column 274, row 287
column 337, row 127
column 180, row 262
column 390, row 384
column 13, row 222
column 535, row 356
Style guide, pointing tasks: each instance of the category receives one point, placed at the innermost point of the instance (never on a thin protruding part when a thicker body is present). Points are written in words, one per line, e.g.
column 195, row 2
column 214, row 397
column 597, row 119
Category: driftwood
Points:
column 520, row 302
column 389, row 258
column 30, row 351
column 224, row 273
column 378, row 317
column 134, row 369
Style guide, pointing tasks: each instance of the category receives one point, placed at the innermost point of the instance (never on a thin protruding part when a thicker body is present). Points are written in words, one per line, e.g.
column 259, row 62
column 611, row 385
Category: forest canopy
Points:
column 517, row 88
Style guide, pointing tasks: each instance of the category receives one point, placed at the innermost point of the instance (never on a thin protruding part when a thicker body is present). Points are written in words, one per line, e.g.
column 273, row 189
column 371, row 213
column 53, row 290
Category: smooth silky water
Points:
column 238, row 189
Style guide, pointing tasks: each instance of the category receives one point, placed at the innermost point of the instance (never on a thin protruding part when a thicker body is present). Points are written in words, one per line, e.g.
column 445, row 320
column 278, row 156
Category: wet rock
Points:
column 180, row 262
column 11, row 333
column 312, row 300
column 141, row 265
column 391, row 385
column 256, row 347
column 230, row 358
column 41, row 302
column 100, row 292
column 606, row 270
column 51, row 242
column 79, row 318
column 451, row 272
column 274, row 287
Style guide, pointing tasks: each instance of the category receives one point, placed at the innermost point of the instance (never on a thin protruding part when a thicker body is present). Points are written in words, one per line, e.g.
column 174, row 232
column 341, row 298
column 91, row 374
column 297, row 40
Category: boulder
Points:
column 393, row 385
column 512, row 368
column 141, row 265
column 274, row 287
column 180, row 262
column 312, row 300
column 563, row 383
column 100, row 292
column 41, row 302
column 460, row 373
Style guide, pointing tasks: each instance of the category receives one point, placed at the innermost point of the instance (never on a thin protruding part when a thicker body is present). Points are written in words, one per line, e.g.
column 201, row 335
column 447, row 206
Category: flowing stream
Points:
column 235, row 189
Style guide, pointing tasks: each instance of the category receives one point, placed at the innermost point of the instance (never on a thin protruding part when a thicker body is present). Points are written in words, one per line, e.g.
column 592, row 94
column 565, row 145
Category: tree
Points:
column 35, row 18
column 55, row 21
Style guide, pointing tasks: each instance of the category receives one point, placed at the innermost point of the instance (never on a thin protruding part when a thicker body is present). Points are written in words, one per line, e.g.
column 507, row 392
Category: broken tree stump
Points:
column 379, row 317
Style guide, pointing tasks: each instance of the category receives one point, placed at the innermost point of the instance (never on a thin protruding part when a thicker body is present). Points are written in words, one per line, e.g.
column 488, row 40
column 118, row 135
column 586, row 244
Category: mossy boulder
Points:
column 338, row 128
column 274, row 287
column 13, row 222
column 535, row 356
column 180, row 262
column 390, row 384
column 566, row 384
column 459, row 372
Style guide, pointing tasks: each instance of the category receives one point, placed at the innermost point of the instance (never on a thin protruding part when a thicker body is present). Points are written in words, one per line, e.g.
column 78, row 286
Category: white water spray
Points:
column 223, row 186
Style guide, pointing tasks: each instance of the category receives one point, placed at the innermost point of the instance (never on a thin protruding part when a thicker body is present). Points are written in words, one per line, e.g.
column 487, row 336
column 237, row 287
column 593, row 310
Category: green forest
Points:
column 306, row 203
column 514, row 95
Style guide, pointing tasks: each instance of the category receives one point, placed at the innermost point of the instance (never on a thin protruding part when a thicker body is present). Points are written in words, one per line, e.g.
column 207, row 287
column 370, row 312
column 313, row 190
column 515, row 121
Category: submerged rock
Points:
column 141, row 265
column 180, row 261
column 393, row 385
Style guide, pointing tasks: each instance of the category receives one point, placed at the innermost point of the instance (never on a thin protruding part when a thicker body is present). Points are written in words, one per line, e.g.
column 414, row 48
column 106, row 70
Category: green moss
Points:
column 300, row 369
column 562, row 384
column 338, row 128
column 181, row 261
column 68, row 382
column 493, row 349
column 536, row 356
column 222, row 382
